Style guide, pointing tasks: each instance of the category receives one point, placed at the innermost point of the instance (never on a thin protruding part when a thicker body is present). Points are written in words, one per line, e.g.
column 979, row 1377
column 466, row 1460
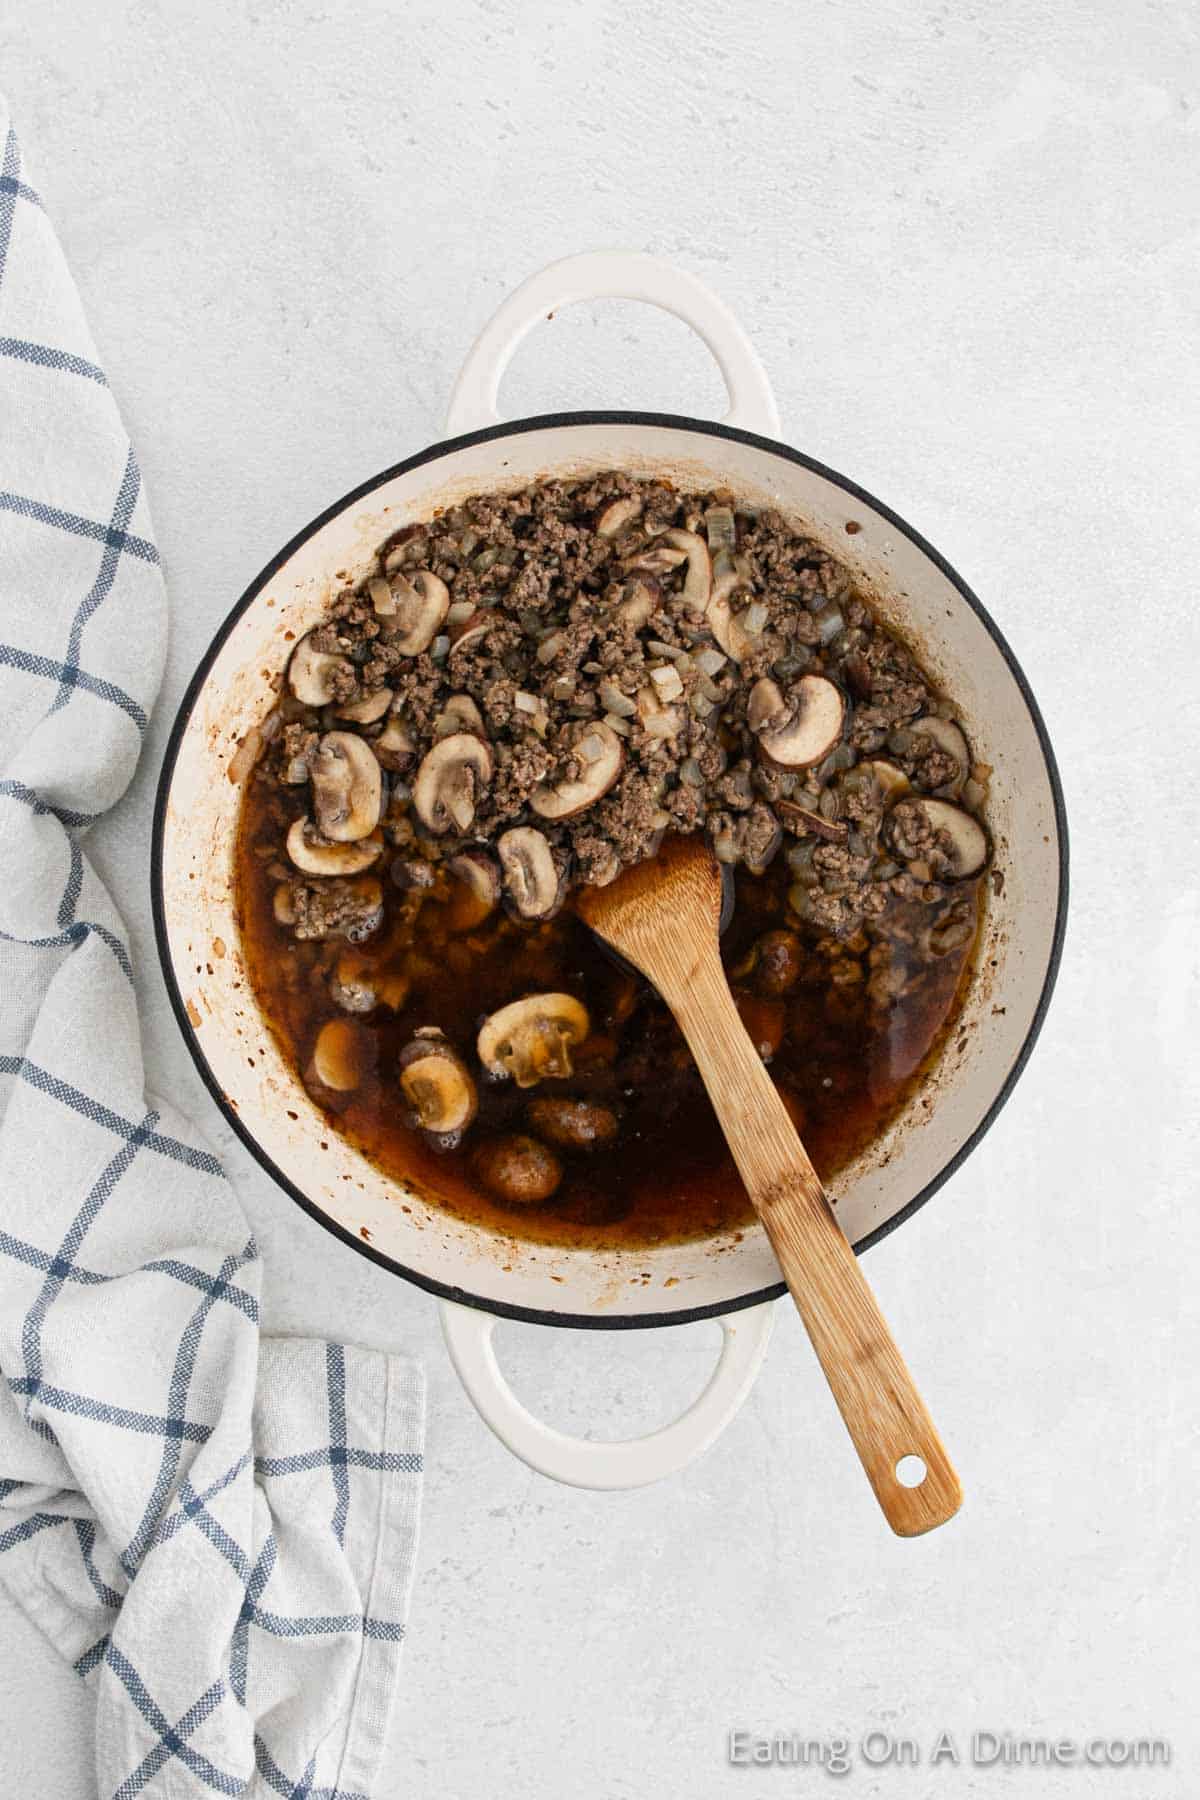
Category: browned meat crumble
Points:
column 619, row 642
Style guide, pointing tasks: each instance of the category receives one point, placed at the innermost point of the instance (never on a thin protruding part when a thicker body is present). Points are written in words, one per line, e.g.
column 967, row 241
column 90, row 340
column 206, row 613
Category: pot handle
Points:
column 580, row 1462
column 613, row 275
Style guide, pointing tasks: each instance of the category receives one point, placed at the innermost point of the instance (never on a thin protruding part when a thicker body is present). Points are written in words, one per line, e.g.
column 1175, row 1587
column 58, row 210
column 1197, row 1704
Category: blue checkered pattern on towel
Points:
column 218, row 1530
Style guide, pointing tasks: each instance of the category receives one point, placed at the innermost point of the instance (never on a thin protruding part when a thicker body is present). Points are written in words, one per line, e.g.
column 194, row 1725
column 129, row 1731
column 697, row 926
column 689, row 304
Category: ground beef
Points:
column 335, row 908
column 585, row 627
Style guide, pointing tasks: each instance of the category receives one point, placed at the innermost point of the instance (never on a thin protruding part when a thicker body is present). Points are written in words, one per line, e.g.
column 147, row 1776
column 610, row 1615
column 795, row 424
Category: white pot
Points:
column 480, row 1274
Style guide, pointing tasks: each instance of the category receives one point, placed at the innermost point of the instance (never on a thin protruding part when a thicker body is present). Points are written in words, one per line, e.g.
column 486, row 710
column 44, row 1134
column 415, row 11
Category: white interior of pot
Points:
column 270, row 1102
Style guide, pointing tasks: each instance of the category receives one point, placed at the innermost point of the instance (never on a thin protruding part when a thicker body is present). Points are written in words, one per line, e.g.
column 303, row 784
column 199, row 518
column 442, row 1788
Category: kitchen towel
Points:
column 217, row 1529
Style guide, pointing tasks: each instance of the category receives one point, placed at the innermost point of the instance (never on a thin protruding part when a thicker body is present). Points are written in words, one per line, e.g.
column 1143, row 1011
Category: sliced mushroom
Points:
column 658, row 719
column 659, row 558
column 600, row 752
column 573, row 1124
column 437, row 1084
column 697, row 585
column 802, row 821
column 449, row 781
column 887, row 776
column 531, row 876
column 316, row 856
column 359, row 984
column 469, row 633
column 779, row 963
column 395, row 746
column 460, row 713
column 727, row 578
column 476, row 892
column 766, row 708
column 518, row 1169
column 367, row 711
column 351, row 986
column 340, row 1056
column 957, row 839
column 948, row 738
column 531, row 1039
column 638, row 601
column 347, row 787
column 618, row 514
column 811, row 723
column 422, row 602
column 311, row 672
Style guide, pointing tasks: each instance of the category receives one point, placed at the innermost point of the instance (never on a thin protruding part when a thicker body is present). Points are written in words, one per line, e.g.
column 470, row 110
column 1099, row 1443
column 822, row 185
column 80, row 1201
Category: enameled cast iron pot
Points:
column 478, row 1274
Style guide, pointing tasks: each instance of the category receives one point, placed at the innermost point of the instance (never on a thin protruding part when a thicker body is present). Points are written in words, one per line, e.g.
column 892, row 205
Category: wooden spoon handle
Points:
column 884, row 1414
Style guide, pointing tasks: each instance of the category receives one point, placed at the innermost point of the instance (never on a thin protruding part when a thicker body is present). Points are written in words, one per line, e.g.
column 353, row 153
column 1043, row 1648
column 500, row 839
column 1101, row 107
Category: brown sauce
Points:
column 856, row 1034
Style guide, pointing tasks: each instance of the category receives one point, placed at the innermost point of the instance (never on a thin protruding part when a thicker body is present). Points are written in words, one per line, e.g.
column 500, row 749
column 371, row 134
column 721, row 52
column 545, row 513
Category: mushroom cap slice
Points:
column 477, row 888
column 311, row 672
column 449, row 781
column 347, row 787
column 817, row 713
column 531, row 1039
column 947, row 736
column 697, row 585
column 469, row 633
column 733, row 638
column 960, row 839
column 572, row 1124
column 518, row 1169
column 367, row 711
column 460, row 713
column 340, row 1055
column 563, row 799
column 766, row 708
column 618, row 514
column 639, row 599
column 437, row 1084
column 395, row 746
column 340, row 858
column 422, row 603
column 531, row 876
column 888, row 777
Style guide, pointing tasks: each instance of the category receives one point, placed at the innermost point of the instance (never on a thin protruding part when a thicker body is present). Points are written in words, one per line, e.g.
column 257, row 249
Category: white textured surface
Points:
column 965, row 240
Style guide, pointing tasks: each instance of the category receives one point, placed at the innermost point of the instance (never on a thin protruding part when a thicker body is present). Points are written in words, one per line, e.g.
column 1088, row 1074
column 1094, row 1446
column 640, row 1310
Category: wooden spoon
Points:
column 662, row 916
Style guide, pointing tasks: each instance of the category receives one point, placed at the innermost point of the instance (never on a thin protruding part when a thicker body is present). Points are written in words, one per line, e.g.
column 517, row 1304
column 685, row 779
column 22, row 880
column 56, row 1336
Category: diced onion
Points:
column 526, row 703
column 691, row 772
column 753, row 621
column 242, row 762
column 549, row 647
column 667, row 682
column 656, row 647
column 829, row 622
column 719, row 524
column 382, row 597
column 710, row 662
column 620, row 726
column 461, row 609
column 439, row 649
column 614, row 701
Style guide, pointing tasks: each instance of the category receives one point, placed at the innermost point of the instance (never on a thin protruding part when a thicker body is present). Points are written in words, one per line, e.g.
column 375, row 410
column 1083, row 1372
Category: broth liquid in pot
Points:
column 848, row 1030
